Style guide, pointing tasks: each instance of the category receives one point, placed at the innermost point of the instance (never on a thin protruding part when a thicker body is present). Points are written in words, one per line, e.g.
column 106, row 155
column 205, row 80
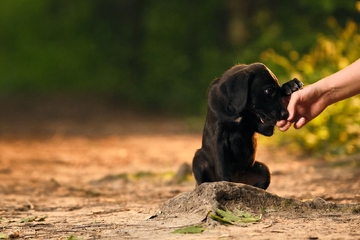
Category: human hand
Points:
column 308, row 103
column 303, row 106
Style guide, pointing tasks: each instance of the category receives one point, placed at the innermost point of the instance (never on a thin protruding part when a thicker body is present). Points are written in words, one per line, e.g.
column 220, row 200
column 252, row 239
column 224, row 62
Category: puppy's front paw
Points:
column 291, row 86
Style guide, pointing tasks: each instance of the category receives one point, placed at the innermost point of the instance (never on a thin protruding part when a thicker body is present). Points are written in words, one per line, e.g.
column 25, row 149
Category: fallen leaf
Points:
column 229, row 217
column 74, row 237
column 41, row 219
column 190, row 229
column 219, row 219
column 3, row 236
column 29, row 219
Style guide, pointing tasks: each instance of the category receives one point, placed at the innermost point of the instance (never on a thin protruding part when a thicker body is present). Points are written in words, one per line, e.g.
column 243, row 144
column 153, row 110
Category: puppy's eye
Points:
column 270, row 91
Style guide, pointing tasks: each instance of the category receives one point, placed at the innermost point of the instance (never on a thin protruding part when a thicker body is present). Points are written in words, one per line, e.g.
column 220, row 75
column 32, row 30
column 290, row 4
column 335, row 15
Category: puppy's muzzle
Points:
column 273, row 117
column 284, row 114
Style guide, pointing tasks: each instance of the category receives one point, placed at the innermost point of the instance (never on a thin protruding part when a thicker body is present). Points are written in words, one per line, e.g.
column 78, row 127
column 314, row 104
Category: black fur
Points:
column 245, row 100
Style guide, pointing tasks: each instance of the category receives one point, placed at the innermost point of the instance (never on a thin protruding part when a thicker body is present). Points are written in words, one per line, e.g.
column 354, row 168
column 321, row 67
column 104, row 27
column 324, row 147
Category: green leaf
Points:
column 190, row 229
column 41, row 219
column 3, row 236
column 244, row 214
column 29, row 219
column 229, row 217
column 33, row 218
column 250, row 219
column 74, row 237
column 219, row 219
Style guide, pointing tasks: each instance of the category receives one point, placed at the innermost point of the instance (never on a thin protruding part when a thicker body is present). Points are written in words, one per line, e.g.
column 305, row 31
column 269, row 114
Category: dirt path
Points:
column 81, row 185
column 105, row 186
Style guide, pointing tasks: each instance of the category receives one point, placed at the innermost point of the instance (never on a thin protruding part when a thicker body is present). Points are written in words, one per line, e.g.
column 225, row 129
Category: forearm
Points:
column 341, row 85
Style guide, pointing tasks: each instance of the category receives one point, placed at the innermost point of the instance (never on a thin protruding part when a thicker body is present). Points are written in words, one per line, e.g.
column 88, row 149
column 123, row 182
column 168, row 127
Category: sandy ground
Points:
column 101, row 176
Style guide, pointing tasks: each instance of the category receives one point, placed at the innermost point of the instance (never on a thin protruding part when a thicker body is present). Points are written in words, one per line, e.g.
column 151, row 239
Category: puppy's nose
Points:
column 284, row 114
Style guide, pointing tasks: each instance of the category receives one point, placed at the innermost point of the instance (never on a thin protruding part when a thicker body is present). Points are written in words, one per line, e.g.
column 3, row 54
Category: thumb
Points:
column 291, row 109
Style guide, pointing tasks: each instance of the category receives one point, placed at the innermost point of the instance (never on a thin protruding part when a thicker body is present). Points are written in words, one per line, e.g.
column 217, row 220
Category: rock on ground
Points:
column 193, row 207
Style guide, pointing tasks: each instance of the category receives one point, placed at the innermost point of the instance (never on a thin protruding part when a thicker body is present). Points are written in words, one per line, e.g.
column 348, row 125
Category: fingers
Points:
column 280, row 123
column 283, row 125
column 300, row 123
column 291, row 107
column 294, row 117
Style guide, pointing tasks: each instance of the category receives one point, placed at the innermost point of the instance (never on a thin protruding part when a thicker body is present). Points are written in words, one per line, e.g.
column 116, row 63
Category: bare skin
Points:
column 308, row 103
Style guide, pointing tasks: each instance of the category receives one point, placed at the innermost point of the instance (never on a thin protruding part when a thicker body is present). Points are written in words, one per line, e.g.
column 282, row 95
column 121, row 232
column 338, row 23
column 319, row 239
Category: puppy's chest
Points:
column 240, row 145
column 241, row 132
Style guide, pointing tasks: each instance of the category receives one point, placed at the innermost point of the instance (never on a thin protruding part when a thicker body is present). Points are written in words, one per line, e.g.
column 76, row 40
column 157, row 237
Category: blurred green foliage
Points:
column 156, row 54
column 162, row 55
column 337, row 130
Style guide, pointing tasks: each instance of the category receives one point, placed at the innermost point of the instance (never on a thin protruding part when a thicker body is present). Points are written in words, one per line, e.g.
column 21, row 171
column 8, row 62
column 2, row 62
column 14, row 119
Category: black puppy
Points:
column 245, row 100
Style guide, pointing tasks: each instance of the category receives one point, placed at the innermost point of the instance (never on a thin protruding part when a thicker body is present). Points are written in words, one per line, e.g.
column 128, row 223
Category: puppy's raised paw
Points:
column 291, row 86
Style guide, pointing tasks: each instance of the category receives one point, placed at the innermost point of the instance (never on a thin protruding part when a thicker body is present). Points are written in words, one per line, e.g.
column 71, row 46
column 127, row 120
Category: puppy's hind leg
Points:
column 201, row 169
column 258, row 176
column 262, row 173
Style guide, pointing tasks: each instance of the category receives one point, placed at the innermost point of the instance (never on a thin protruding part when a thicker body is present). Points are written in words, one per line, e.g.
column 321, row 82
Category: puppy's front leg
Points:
column 221, row 164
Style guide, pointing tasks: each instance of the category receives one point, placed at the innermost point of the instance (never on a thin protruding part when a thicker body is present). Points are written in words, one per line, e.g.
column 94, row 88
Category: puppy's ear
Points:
column 235, row 89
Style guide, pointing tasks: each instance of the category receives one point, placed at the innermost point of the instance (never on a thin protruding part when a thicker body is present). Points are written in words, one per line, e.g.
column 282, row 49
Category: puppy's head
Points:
column 248, row 87
column 264, row 99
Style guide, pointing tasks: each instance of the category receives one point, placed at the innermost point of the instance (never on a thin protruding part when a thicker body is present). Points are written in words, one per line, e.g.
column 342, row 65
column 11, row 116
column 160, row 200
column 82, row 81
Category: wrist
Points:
column 325, row 93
